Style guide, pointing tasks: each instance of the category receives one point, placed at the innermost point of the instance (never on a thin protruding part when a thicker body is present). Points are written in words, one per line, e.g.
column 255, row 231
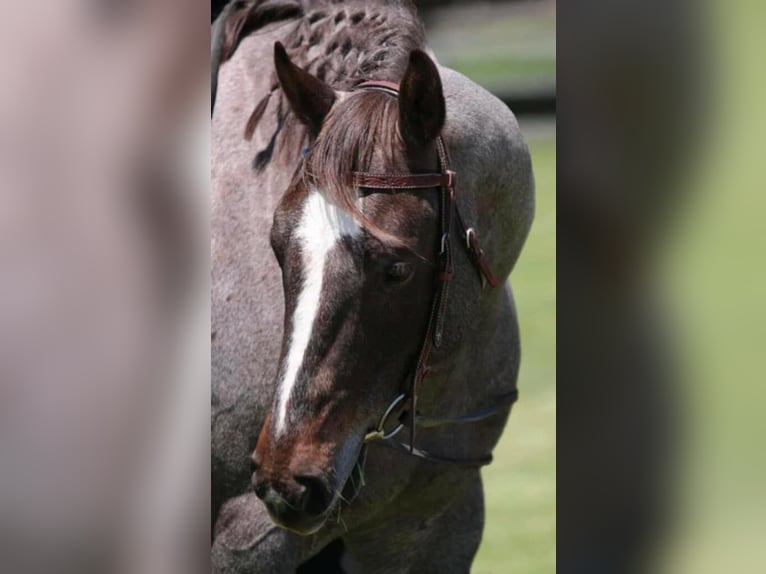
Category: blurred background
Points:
column 104, row 305
column 660, row 277
column 714, row 262
column 509, row 47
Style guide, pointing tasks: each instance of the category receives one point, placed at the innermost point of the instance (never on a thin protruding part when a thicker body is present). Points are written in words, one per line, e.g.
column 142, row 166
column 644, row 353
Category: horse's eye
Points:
column 399, row 272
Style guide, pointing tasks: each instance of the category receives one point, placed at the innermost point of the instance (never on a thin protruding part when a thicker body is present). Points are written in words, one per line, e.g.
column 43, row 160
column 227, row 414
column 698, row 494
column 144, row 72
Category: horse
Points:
column 364, row 201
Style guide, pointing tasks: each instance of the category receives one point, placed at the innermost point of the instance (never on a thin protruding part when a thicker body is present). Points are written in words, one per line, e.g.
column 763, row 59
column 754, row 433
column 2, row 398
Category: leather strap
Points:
column 427, row 422
column 445, row 180
column 505, row 400
column 449, row 215
column 380, row 85
column 402, row 180
column 398, row 181
column 426, row 455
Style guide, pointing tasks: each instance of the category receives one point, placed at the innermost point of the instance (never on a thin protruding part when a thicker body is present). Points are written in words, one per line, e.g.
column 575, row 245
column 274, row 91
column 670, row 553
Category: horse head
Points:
column 358, row 271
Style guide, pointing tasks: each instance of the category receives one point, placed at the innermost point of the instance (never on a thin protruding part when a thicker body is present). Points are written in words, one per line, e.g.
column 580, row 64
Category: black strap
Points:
column 428, row 422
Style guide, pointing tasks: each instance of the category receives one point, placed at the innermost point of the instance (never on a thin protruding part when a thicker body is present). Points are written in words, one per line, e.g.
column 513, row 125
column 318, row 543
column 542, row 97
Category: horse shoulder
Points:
column 494, row 168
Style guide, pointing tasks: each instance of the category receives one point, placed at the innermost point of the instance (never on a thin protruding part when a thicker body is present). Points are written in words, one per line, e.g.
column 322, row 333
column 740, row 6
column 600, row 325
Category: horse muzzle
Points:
column 299, row 502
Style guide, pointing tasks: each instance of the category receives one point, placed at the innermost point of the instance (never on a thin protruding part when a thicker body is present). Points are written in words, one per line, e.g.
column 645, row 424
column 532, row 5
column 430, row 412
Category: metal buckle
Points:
column 470, row 231
column 445, row 238
column 450, row 179
column 380, row 432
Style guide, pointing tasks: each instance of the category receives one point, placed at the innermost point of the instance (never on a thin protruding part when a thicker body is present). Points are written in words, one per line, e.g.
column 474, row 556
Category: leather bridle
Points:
column 449, row 219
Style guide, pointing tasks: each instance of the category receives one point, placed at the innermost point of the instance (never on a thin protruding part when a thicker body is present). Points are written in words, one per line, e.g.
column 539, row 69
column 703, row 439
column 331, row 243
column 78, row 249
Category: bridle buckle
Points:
column 450, row 179
column 380, row 431
column 445, row 239
column 468, row 232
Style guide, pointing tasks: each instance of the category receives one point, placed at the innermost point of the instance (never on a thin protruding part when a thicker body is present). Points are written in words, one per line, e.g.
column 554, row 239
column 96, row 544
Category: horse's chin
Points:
column 303, row 525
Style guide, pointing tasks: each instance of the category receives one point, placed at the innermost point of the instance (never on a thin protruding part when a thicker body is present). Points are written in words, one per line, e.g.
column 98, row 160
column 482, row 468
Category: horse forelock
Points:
column 358, row 131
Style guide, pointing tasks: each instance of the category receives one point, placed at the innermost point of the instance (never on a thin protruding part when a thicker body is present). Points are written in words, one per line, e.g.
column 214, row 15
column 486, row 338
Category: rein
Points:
column 449, row 218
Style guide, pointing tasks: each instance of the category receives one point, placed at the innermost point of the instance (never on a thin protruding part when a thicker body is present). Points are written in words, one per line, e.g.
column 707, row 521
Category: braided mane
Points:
column 341, row 43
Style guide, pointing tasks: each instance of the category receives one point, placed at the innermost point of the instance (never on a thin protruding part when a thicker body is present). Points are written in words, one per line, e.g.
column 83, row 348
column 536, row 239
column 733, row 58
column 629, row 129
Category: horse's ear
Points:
column 310, row 98
column 421, row 101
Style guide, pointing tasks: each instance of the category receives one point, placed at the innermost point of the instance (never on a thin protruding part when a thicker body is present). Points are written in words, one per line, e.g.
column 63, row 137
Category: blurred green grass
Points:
column 487, row 71
column 520, row 486
column 714, row 264
column 508, row 48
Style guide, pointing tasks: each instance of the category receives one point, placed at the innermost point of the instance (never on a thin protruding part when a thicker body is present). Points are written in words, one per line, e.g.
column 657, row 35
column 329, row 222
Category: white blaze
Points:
column 321, row 227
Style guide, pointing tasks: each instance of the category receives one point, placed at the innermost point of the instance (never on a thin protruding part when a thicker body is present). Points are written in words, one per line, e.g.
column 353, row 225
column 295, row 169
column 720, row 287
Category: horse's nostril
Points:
column 260, row 485
column 260, row 488
column 316, row 496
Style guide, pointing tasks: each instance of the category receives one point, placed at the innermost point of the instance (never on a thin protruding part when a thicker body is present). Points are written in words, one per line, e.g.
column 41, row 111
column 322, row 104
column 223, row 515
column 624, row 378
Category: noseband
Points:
column 449, row 217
